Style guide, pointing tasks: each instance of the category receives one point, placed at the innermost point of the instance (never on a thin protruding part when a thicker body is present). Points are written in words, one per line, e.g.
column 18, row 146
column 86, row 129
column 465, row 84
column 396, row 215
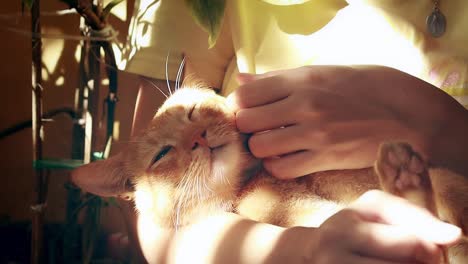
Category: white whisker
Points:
column 197, row 184
column 159, row 89
column 220, row 174
column 206, row 185
column 177, row 218
column 167, row 74
column 183, row 190
column 226, row 179
column 179, row 74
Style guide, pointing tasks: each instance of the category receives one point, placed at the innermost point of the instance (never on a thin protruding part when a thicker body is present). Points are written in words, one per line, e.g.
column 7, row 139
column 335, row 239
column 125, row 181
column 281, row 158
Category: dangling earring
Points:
column 436, row 22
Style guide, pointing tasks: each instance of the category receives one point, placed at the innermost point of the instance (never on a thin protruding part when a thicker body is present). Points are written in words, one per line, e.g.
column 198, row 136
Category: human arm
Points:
column 377, row 228
column 335, row 117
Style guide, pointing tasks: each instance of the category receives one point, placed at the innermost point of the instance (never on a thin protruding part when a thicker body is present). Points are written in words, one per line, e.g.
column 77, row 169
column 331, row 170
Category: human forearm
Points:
column 371, row 229
column 437, row 124
column 450, row 146
column 225, row 238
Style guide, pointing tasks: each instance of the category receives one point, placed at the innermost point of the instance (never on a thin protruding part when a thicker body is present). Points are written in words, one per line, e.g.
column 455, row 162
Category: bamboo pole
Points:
column 40, row 177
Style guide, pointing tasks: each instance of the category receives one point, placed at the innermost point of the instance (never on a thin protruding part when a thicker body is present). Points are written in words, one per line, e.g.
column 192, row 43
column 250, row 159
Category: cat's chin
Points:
column 227, row 162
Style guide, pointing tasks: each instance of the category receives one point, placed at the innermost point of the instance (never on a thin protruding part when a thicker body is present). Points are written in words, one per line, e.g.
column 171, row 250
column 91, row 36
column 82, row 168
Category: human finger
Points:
column 293, row 165
column 393, row 243
column 356, row 259
column 259, row 92
column 399, row 212
column 264, row 117
column 278, row 141
column 355, row 237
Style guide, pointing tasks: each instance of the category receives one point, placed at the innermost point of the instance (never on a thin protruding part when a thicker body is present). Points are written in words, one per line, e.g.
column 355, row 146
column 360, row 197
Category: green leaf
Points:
column 27, row 3
column 209, row 15
column 113, row 202
column 108, row 8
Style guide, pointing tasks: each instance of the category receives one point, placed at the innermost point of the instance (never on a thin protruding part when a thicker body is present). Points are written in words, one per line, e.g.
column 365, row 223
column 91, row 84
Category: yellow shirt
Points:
column 263, row 35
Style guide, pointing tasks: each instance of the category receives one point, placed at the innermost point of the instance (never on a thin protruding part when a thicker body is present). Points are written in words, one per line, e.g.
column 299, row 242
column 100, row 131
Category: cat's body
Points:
column 305, row 201
column 191, row 161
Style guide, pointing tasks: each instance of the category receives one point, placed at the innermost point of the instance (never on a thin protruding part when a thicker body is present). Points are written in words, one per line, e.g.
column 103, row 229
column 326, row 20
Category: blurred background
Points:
column 61, row 54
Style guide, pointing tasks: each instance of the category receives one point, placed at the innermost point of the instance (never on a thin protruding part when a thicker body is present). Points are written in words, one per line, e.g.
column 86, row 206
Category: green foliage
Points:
column 91, row 226
column 209, row 15
column 112, row 201
column 27, row 3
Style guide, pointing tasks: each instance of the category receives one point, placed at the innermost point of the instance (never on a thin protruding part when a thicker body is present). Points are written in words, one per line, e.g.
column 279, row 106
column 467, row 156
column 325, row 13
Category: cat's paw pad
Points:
column 400, row 168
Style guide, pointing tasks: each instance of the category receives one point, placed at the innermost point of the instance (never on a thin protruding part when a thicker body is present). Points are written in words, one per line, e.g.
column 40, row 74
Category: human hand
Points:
column 317, row 118
column 381, row 228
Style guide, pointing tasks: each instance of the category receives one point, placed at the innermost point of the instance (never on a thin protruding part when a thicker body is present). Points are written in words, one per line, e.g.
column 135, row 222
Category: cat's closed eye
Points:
column 163, row 152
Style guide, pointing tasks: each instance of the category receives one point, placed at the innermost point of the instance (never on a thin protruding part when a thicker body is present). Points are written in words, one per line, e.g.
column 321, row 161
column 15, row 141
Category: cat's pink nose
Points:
column 199, row 140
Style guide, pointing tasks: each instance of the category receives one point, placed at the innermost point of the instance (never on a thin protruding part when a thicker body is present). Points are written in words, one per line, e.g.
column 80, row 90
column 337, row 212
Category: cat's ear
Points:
column 104, row 178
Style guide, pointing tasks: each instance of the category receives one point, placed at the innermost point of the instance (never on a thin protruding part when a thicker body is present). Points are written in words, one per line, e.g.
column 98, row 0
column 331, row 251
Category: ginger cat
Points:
column 191, row 161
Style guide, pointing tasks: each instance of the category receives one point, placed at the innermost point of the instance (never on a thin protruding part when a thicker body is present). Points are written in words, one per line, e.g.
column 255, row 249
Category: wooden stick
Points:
column 40, row 178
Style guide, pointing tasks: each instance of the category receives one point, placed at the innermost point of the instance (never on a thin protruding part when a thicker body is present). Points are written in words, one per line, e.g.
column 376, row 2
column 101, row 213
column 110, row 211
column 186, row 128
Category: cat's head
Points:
column 191, row 158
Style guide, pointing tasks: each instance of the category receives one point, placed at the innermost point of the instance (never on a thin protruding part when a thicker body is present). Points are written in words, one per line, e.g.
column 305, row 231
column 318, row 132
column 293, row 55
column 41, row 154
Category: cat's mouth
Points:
column 211, row 151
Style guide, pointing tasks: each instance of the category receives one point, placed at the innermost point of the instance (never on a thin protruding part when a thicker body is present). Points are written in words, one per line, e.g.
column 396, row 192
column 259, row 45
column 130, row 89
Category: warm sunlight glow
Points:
column 285, row 2
column 205, row 240
column 261, row 237
column 153, row 198
column 261, row 196
column 116, row 134
column 414, row 222
column 357, row 35
column 78, row 53
column 120, row 10
column 45, row 74
column 366, row 37
column 141, row 28
column 184, row 97
column 60, row 81
column 88, row 136
column 193, row 242
column 53, row 49
column 149, row 235
column 119, row 53
column 90, row 85
column 143, row 199
column 318, row 213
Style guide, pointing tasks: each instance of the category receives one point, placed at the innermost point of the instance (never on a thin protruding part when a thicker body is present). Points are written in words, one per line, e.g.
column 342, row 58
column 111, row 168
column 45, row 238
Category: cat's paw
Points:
column 400, row 169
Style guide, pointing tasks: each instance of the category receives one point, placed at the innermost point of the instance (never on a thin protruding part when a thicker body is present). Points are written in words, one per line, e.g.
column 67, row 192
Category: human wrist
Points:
column 449, row 145
column 294, row 245
column 226, row 238
column 432, row 121
column 415, row 109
